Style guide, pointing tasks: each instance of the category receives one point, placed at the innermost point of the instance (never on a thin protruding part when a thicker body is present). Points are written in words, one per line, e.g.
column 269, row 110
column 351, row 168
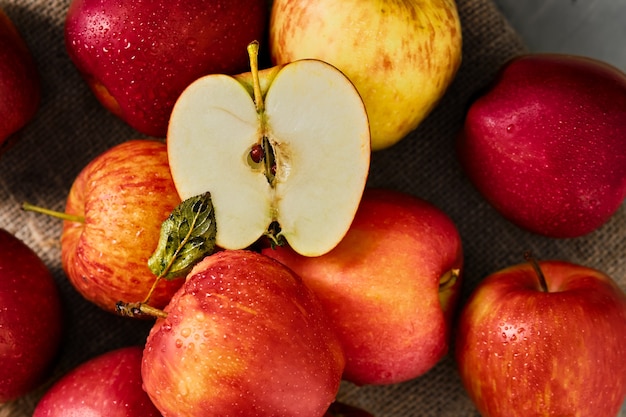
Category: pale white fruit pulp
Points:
column 319, row 132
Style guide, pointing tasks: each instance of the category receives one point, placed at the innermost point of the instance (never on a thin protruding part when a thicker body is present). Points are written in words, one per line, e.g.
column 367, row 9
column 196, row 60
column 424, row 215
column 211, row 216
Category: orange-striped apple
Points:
column 243, row 337
column 545, row 143
column 390, row 286
column 138, row 56
column 30, row 318
column 284, row 152
column 120, row 199
column 20, row 86
column 108, row 385
column 401, row 55
column 544, row 340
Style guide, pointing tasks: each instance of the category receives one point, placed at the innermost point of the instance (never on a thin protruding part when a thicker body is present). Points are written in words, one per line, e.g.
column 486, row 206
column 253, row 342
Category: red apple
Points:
column 138, row 56
column 545, row 143
column 121, row 198
column 30, row 318
column 390, row 286
column 20, row 87
column 108, row 385
column 525, row 350
column 243, row 337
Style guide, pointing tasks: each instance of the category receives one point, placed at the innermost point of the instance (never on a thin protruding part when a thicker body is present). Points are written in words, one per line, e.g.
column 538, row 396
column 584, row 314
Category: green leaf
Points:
column 187, row 236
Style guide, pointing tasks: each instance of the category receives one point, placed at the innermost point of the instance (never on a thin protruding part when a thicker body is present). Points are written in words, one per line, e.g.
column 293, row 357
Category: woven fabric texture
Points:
column 71, row 128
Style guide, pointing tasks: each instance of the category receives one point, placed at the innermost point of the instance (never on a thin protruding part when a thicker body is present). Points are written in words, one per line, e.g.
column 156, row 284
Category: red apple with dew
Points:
column 395, row 277
column 20, row 86
column 544, row 340
column 137, row 57
column 30, row 321
column 119, row 201
column 545, row 143
column 108, row 385
column 243, row 336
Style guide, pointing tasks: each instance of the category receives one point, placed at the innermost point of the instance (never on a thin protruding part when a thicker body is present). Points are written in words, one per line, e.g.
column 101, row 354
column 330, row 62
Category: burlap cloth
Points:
column 71, row 128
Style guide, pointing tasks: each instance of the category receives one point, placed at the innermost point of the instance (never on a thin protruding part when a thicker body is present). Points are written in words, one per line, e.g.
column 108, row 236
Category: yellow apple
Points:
column 401, row 55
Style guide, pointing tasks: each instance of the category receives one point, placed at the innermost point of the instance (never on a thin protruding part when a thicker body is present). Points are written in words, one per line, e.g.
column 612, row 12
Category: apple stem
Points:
column 253, row 53
column 533, row 262
column 59, row 215
column 138, row 309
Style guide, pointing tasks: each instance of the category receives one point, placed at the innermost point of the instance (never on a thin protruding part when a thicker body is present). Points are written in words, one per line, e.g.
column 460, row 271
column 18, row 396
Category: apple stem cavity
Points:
column 543, row 285
column 53, row 213
column 448, row 279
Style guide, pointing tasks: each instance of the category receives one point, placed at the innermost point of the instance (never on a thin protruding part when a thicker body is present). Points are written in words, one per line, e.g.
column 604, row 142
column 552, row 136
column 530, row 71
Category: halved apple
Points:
column 283, row 152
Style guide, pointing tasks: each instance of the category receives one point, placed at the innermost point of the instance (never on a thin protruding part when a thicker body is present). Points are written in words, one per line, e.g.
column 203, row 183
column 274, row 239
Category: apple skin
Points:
column 31, row 323
column 544, row 144
column 137, row 57
column 124, row 194
column 382, row 283
column 523, row 352
column 108, row 385
column 400, row 55
column 244, row 336
column 20, row 85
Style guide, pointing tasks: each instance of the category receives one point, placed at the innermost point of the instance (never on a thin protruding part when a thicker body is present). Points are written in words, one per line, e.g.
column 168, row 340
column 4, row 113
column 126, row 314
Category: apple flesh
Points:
column 401, row 55
column 20, row 86
column 137, row 57
column 108, row 385
column 310, row 128
column 527, row 351
column 244, row 336
column 31, row 321
column 123, row 196
column 545, row 143
column 395, row 277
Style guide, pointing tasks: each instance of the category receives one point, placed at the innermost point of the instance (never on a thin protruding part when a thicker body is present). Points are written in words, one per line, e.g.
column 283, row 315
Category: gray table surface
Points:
column 594, row 28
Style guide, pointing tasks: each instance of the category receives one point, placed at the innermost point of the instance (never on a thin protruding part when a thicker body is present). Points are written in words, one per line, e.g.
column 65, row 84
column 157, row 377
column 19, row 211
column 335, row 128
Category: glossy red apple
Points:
column 30, row 318
column 525, row 350
column 138, row 56
column 390, row 286
column 121, row 199
column 545, row 143
column 243, row 337
column 108, row 385
column 20, row 86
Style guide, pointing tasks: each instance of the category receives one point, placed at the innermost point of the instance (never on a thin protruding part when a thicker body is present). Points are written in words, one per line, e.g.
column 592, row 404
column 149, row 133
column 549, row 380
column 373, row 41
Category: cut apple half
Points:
column 284, row 151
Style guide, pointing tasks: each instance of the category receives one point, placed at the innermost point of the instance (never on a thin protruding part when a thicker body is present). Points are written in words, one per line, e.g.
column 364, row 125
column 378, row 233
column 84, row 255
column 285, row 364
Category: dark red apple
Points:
column 30, row 318
column 138, row 56
column 20, row 86
column 525, row 348
column 108, row 385
column 545, row 143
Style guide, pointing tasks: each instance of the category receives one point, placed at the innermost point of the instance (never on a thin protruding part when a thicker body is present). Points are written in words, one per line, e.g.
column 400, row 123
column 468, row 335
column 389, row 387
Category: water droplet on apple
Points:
column 510, row 128
column 186, row 332
column 179, row 343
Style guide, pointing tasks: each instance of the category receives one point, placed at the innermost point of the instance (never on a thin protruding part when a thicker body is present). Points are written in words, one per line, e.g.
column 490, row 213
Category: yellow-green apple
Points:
column 390, row 286
column 20, row 86
column 544, row 339
column 401, row 55
column 243, row 337
column 120, row 199
column 108, row 385
column 30, row 318
column 545, row 143
column 284, row 152
column 137, row 57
